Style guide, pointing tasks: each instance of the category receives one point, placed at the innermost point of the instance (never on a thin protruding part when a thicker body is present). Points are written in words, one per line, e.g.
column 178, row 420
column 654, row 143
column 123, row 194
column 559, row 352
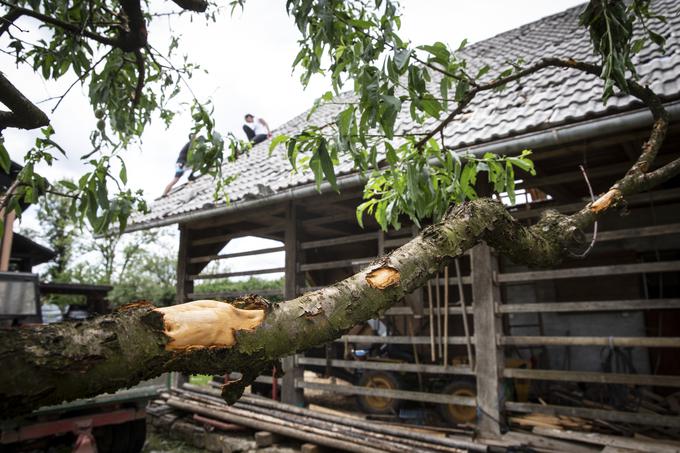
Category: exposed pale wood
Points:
column 236, row 274
column 592, row 271
column 603, row 305
column 606, row 440
column 335, row 264
column 590, row 376
column 350, row 239
column 490, row 358
column 598, row 414
column 225, row 256
column 387, row 366
column 397, row 394
column 643, row 342
column 373, row 339
column 226, row 237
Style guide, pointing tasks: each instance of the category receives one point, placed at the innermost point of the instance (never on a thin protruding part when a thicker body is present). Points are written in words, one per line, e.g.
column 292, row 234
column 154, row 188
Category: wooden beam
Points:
column 598, row 414
column 226, row 237
column 601, row 305
column 589, row 376
column 628, row 233
column 487, row 325
column 289, row 392
column 373, row 339
column 350, row 239
column 397, row 394
column 351, row 262
column 236, row 274
column 184, row 284
column 387, row 366
column 641, row 342
column 593, row 271
column 234, row 294
column 225, row 256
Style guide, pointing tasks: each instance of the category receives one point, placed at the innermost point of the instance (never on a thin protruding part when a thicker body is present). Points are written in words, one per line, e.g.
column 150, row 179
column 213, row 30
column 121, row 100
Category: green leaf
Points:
column 327, row 165
column 401, row 58
column 276, row 141
column 5, row 161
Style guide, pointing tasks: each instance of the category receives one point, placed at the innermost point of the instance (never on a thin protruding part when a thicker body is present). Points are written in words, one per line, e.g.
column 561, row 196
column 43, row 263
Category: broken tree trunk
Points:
column 61, row 362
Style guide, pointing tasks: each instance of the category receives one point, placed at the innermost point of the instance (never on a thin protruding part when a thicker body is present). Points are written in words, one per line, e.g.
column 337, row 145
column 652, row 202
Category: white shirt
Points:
column 257, row 127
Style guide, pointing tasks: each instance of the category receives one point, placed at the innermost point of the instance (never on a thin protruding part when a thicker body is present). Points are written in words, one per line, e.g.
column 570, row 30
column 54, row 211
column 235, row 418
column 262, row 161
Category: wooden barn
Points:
column 597, row 338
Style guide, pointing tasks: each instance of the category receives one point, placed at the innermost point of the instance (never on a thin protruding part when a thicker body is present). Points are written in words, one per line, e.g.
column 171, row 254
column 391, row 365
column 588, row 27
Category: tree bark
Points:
column 61, row 362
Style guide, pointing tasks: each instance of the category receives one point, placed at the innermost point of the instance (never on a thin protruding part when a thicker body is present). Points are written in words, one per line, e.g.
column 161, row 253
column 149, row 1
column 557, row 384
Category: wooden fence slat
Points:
column 372, row 339
column 643, row 342
column 208, row 258
column 236, row 274
column 234, row 294
column 592, row 271
column 387, row 366
column 227, row 237
column 590, row 376
column 339, row 240
column 397, row 394
column 601, row 305
column 335, row 264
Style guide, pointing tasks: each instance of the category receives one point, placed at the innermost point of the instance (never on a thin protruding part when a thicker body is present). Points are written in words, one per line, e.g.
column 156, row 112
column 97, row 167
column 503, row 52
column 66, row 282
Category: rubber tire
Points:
column 456, row 414
column 377, row 405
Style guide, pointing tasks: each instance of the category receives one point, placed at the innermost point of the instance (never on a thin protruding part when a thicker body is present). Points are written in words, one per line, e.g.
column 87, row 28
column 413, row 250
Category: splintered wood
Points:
column 206, row 323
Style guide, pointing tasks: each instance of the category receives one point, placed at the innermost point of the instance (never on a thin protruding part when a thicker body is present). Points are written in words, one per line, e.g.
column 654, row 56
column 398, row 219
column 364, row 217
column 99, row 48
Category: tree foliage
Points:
column 356, row 43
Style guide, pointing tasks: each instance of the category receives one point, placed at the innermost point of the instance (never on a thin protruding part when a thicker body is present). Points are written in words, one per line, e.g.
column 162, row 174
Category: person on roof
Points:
column 256, row 129
column 181, row 166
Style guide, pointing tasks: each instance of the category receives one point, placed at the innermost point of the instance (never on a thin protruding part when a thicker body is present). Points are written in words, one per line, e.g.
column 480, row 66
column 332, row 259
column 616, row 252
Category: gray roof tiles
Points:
column 540, row 101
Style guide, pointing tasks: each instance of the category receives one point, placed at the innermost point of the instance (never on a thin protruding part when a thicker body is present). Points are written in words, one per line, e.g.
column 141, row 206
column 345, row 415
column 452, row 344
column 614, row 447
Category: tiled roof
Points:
column 540, row 101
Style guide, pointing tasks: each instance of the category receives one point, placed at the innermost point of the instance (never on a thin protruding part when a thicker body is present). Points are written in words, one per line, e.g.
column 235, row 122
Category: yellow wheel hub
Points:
column 378, row 402
column 463, row 414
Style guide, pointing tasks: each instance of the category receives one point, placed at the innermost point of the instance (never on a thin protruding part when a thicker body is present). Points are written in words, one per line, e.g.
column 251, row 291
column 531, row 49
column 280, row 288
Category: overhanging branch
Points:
column 23, row 113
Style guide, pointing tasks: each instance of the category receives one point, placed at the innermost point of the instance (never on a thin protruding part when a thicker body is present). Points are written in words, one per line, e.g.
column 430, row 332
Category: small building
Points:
column 608, row 322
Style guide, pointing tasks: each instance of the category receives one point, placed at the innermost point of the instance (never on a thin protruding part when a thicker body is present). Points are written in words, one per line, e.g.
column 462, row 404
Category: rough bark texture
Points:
column 60, row 362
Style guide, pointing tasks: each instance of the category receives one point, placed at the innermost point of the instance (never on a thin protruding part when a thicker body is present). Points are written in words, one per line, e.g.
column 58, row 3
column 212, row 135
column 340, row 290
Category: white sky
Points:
column 248, row 58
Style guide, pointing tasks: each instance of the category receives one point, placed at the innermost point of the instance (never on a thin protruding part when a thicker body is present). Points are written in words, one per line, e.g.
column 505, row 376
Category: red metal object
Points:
column 218, row 424
column 67, row 425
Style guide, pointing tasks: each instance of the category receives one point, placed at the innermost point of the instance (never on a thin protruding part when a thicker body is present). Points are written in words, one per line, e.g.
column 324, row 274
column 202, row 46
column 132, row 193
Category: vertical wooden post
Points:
column 488, row 326
column 6, row 241
column 290, row 394
column 184, row 286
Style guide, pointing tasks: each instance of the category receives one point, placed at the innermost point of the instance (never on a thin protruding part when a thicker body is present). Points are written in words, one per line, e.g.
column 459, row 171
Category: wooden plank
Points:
column 335, row 264
column 236, row 274
column 289, row 393
column 592, row 271
column 387, row 366
column 643, row 342
column 184, row 284
column 600, row 305
column 234, row 294
column 537, row 209
column 228, row 237
column 397, row 394
column 598, row 414
column 628, row 233
column 208, row 258
column 350, row 239
column 609, row 441
column 323, row 220
column 373, row 339
column 490, row 358
column 589, row 376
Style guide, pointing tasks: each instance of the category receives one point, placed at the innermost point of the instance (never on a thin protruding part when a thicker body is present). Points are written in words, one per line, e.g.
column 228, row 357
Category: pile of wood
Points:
column 315, row 427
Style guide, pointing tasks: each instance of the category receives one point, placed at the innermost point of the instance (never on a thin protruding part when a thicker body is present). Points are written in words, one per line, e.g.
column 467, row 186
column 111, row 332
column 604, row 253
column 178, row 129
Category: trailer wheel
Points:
column 456, row 413
column 379, row 404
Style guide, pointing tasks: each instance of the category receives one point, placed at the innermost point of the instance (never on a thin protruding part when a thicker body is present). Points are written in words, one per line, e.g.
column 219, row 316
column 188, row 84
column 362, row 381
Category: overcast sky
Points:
column 248, row 57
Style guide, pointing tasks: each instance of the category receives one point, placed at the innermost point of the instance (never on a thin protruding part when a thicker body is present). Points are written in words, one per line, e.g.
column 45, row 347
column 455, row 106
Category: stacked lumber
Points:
column 552, row 421
column 320, row 428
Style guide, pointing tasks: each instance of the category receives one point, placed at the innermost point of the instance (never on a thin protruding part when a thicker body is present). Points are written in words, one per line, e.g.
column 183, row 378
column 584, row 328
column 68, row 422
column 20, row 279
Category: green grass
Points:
column 200, row 379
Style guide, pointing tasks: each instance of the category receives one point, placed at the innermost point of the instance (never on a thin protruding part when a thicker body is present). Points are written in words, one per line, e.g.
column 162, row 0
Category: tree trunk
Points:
column 61, row 362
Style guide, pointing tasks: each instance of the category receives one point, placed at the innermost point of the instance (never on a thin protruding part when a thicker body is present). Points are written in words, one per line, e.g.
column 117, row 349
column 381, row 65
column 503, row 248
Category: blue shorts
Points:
column 180, row 168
